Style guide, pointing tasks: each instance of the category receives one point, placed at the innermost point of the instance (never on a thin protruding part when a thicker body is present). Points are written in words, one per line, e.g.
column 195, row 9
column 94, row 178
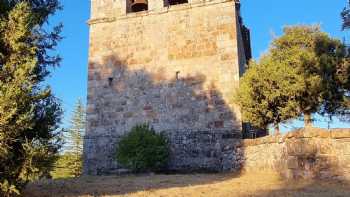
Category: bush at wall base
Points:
column 143, row 150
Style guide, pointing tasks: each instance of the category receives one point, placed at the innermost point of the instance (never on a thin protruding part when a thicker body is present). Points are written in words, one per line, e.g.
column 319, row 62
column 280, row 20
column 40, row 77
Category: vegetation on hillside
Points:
column 29, row 113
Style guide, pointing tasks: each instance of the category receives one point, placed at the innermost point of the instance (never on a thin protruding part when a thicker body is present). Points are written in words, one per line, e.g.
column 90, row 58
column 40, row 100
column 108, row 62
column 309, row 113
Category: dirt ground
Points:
column 261, row 184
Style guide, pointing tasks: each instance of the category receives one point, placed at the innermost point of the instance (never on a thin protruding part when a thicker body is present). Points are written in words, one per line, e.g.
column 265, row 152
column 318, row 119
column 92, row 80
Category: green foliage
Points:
column 321, row 61
column 43, row 40
column 268, row 92
column 345, row 15
column 63, row 169
column 142, row 149
column 75, row 138
column 29, row 113
column 345, row 111
column 305, row 71
column 70, row 163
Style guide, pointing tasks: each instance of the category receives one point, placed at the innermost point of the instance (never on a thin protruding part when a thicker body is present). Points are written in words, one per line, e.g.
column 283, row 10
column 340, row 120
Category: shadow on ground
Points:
column 307, row 188
column 193, row 104
column 122, row 97
column 259, row 184
column 120, row 185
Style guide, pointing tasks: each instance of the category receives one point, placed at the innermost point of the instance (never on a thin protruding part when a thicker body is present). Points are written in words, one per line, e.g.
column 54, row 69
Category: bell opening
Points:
column 139, row 5
column 175, row 2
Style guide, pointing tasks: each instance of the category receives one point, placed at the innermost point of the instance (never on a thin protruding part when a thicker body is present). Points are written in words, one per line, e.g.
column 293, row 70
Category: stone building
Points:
column 174, row 64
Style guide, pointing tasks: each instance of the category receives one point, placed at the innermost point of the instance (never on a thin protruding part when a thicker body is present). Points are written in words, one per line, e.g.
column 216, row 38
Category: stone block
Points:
column 315, row 156
column 292, row 162
column 340, row 134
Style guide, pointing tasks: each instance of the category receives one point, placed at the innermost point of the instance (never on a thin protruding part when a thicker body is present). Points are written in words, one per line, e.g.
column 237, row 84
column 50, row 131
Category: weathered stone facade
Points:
column 205, row 150
column 174, row 67
column 310, row 154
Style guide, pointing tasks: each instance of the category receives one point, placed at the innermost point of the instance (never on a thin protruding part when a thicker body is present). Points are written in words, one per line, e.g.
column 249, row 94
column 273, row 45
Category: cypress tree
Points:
column 29, row 113
column 75, row 138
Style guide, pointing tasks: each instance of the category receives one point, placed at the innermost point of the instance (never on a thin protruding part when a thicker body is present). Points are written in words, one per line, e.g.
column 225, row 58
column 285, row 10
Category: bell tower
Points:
column 173, row 64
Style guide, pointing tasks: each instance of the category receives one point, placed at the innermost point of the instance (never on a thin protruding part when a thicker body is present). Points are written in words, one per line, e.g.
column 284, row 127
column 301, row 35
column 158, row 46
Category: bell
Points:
column 139, row 5
column 175, row 2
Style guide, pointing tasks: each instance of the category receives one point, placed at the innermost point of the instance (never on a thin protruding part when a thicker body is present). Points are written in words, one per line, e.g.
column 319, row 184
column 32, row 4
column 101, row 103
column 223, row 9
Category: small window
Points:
column 177, row 76
column 174, row 2
column 137, row 5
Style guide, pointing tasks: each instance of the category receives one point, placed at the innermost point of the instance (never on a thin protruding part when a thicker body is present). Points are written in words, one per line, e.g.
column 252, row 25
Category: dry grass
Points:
column 262, row 184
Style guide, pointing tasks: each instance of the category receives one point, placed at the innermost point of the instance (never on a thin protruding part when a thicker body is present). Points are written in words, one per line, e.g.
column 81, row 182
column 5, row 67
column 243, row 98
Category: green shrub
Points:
column 143, row 150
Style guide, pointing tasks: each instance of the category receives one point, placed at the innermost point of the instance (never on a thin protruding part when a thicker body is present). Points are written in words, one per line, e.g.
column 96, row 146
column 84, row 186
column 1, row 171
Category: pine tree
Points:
column 29, row 113
column 345, row 110
column 75, row 138
column 345, row 15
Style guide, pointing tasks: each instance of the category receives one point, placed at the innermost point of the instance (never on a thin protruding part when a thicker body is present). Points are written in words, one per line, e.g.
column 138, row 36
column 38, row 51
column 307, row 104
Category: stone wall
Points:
column 315, row 153
column 174, row 67
column 190, row 151
column 205, row 150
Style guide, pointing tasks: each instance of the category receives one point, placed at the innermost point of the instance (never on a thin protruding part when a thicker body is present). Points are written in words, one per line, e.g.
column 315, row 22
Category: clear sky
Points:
column 265, row 18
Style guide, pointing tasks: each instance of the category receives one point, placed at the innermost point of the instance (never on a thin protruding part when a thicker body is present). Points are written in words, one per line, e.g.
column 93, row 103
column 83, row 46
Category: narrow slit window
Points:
column 177, row 75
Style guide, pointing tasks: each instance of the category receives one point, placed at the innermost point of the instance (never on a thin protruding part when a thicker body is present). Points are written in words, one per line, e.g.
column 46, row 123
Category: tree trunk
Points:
column 277, row 129
column 307, row 120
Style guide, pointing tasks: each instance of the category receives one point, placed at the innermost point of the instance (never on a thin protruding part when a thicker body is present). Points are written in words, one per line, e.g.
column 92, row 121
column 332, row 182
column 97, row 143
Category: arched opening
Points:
column 137, row 5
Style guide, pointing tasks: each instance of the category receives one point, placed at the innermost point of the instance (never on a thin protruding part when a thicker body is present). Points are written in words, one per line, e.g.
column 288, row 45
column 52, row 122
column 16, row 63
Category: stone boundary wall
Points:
column 311, row 153
column 205, row 150
column 212, row 150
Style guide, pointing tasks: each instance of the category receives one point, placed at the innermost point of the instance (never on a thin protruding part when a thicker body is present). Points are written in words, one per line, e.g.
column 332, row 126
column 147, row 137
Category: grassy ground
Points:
column 262, row 184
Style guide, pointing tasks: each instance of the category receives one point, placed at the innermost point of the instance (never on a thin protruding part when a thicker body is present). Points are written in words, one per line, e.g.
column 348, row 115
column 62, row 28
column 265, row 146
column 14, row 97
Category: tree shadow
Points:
column 315, row 154
column 310, row 162
column 121, row 97
column 121, row 185
column 309, row 188
column 202, row 127
column 229, row 184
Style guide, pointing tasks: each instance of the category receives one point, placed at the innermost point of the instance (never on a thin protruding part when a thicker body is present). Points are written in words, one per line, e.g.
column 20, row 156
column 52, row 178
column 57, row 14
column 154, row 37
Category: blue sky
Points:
column 265, row 19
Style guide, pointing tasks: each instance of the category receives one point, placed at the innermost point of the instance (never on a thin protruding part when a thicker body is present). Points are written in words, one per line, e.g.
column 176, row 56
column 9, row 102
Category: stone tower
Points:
column 174, row 64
